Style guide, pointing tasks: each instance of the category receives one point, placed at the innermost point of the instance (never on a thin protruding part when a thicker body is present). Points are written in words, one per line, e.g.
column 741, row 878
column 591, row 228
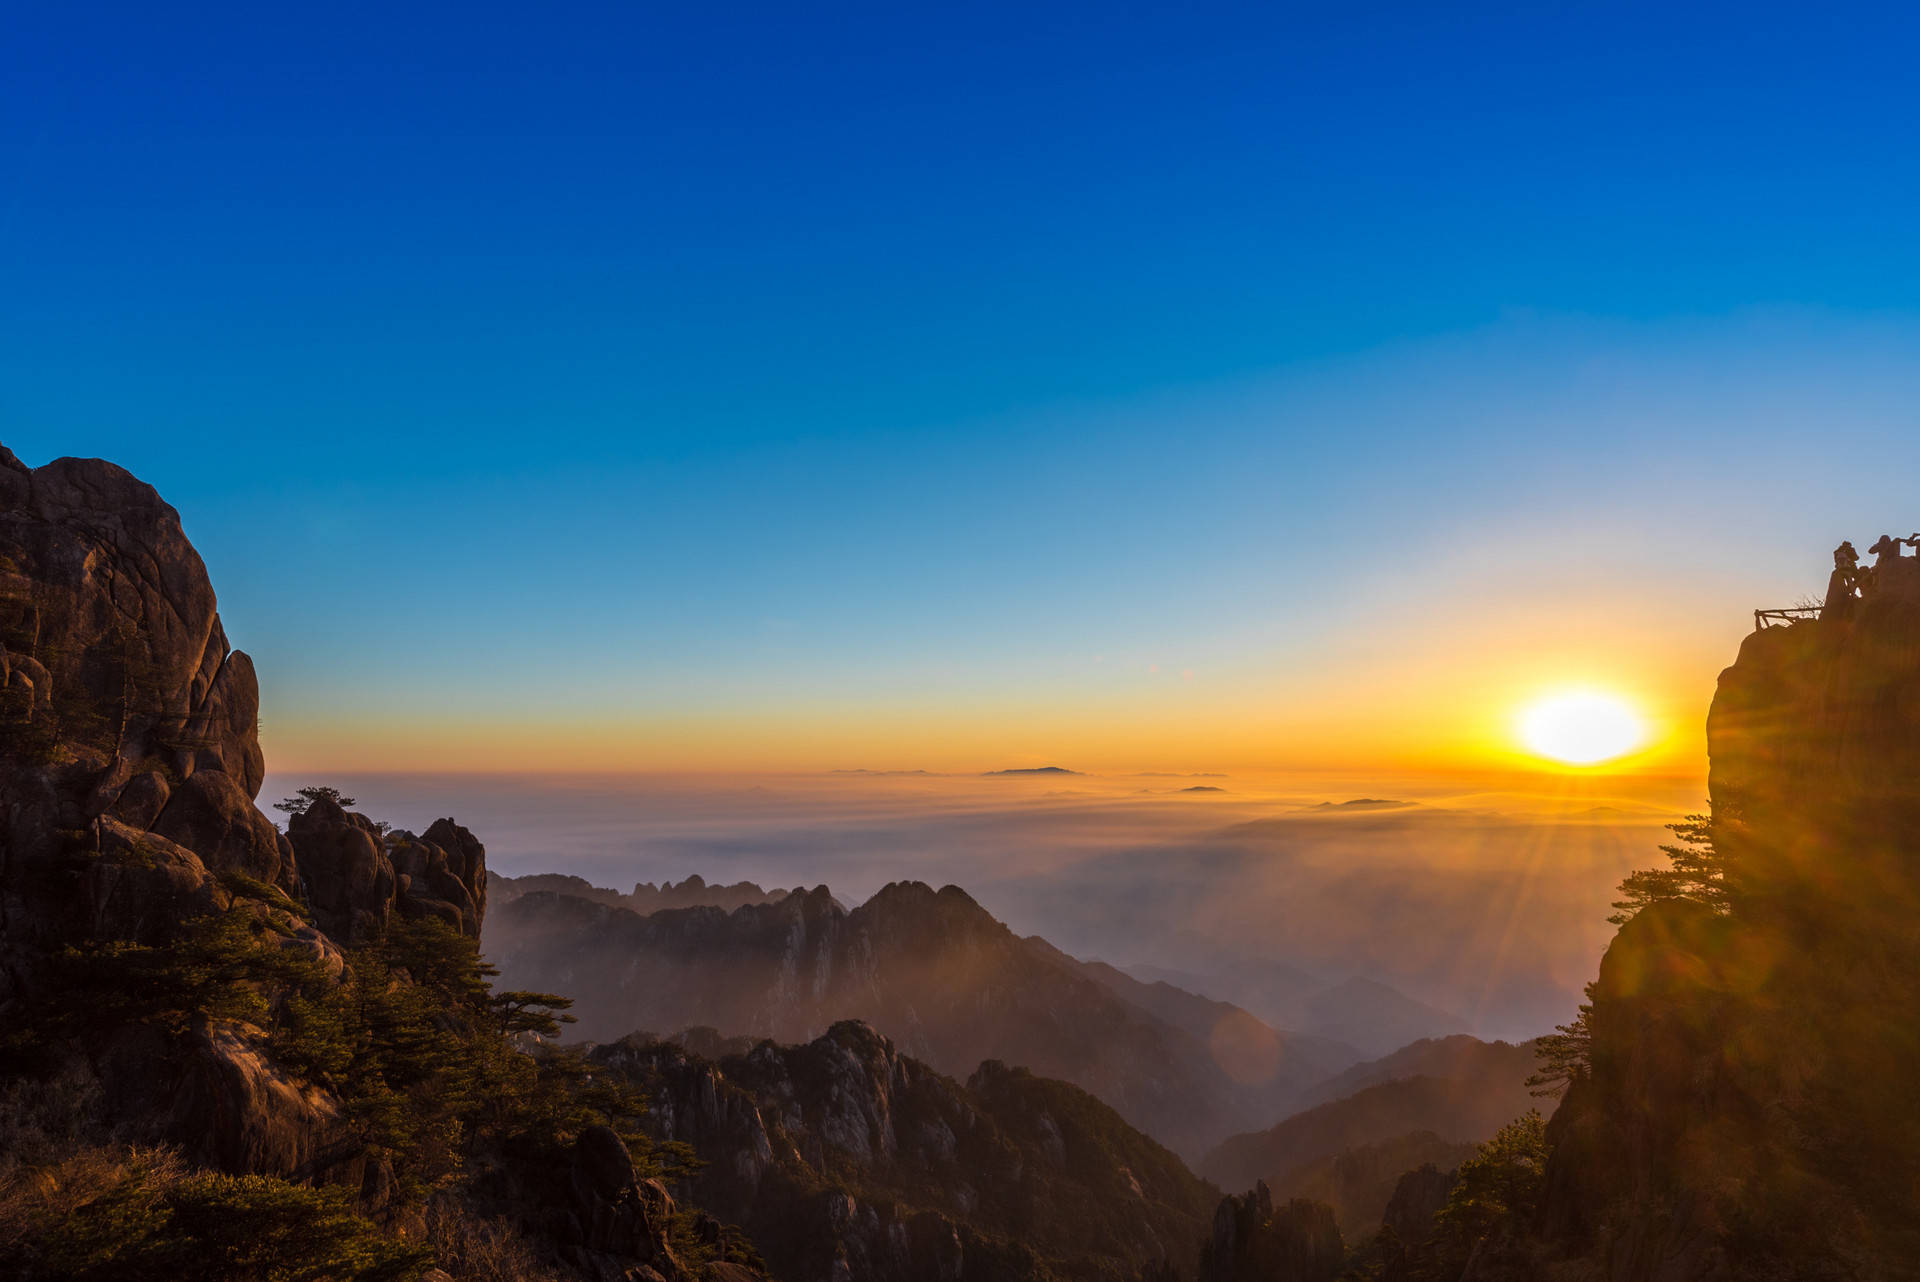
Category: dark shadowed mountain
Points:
column 1359, row 1183
column 1498, row 1066
column 844, row 1158
column 1033, row 770
column 931, row 970
column 1740, row 1097
column 1359, row 1109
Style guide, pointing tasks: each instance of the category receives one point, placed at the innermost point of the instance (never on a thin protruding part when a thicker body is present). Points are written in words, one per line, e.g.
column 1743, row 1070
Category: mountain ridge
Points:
column 931, row 969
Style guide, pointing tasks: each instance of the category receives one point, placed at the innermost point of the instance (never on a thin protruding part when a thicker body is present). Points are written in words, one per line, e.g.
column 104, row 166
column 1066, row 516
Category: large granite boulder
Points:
column 357, row 876
column 129, row 752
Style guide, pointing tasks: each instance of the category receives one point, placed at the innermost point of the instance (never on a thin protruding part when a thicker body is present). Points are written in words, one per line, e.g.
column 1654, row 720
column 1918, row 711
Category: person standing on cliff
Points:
column 1892, row 573
column 1843, row 584
column 1887, row 549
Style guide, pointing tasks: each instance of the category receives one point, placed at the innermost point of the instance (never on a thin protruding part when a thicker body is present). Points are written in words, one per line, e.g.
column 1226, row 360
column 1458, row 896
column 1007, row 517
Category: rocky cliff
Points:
column 128, row 782
column 306, row 1010
column 1254, row 1240
column 1747, row 1109
column 133, row 756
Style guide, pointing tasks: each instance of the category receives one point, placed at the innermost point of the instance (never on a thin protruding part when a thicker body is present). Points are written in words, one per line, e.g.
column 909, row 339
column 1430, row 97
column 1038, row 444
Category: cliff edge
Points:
column 1745, row 1110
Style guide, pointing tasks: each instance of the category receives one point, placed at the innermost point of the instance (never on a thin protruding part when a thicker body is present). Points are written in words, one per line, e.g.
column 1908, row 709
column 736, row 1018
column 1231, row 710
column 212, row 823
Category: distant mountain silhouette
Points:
column 645, row 897
column 1364, row 803
column 1498, row 1065
column 1458, row 1110
column 1372, row 1017
column 1202, row 787
column 1033, row 770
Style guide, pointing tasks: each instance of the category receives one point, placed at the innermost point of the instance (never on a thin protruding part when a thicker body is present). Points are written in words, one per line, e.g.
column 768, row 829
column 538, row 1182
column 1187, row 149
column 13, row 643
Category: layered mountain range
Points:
column 1358, row 1131
column 933, row 971
column 230, row 1051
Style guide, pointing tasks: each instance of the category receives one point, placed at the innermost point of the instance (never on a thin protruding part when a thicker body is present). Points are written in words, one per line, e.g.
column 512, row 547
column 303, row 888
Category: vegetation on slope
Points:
column 448, row 1098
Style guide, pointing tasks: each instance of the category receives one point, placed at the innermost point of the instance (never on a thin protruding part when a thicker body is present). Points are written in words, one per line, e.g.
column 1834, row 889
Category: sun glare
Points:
column 1582, row 728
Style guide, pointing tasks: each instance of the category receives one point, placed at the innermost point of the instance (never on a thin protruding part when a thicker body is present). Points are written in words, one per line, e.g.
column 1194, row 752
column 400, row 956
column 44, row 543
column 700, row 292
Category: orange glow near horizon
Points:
column 1396, row 690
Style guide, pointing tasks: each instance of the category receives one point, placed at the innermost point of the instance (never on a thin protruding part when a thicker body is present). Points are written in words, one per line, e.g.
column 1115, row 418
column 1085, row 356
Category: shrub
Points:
column 102, row 1216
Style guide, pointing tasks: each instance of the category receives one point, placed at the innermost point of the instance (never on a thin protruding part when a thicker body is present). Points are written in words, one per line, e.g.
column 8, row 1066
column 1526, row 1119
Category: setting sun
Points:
column 1582, row 728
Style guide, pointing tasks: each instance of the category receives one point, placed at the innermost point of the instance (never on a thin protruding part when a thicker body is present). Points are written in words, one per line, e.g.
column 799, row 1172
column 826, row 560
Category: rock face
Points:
column 845, row 1159
column 129, row 763
column 125, row 713
column 617, row 1218
column 1748, row 1109
column 931, row 969
column 357, row 878
column 1418, row 1196
column 1253, row 1241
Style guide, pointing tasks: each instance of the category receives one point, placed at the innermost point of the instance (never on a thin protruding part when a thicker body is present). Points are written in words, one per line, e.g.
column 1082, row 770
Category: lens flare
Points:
column 1582, row 728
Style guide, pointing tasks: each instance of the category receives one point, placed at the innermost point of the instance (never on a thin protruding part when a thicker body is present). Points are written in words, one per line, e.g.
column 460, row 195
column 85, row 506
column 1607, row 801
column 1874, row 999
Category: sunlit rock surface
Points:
column 128, row 776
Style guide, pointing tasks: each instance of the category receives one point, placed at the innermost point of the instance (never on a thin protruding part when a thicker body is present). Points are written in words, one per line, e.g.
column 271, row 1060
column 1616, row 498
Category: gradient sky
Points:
column 891, row 386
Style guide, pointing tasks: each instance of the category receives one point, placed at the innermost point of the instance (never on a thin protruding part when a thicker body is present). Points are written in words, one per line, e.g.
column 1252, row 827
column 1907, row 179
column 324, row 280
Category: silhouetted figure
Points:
column 1893, row 575
column 1843, row 585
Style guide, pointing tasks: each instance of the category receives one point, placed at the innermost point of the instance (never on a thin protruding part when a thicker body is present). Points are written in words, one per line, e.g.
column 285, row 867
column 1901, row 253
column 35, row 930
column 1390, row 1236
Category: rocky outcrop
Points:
column 1418, row 1197
column 933, row 970
column 149, row 910
column 1253, row 1241
column 845, row 1159
column 357, row 877
column 617, row 1218
column 129, row 764
column 131, row 756
column 1747, row 1110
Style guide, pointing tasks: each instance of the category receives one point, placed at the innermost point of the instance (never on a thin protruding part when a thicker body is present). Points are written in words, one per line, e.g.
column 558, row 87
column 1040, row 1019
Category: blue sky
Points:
column 662, row 364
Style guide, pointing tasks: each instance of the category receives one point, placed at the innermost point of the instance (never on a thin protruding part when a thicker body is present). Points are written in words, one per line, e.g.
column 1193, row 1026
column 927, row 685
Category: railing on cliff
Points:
column 1780, row 618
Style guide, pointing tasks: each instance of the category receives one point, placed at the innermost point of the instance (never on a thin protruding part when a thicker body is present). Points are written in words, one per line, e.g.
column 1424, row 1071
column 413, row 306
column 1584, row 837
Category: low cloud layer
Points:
column 1487, row 904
